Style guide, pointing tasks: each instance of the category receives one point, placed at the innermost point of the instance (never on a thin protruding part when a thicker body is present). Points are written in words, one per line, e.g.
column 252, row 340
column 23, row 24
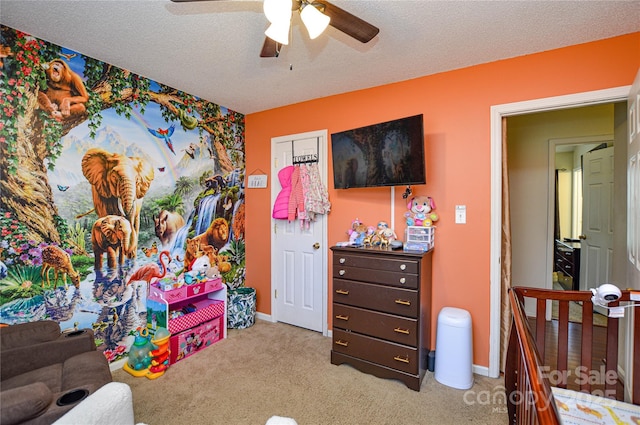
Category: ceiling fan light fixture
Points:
column 314, row 20
column 279, row 32
column 277, row 11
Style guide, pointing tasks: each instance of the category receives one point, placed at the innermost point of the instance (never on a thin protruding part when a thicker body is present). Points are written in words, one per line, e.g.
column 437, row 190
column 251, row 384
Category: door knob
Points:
column 582, row 237
column 316, row 245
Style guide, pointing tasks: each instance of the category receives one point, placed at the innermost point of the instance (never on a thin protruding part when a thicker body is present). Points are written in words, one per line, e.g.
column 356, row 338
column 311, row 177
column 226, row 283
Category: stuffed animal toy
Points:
column 201, row 264
column 385, row 232
column 421, row 211
column 352, row 231
column 357, row 233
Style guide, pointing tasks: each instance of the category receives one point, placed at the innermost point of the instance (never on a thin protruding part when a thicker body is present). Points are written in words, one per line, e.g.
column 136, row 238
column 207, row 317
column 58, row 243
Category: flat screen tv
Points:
column 385, row 154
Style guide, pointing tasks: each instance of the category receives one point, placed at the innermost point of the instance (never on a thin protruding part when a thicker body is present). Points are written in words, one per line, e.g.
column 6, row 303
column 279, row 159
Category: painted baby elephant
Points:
column 111, row 234
column 119, row 184
column 167, row 224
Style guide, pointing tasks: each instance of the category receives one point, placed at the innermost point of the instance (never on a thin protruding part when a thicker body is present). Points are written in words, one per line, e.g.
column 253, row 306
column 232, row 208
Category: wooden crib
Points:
column 542, row 368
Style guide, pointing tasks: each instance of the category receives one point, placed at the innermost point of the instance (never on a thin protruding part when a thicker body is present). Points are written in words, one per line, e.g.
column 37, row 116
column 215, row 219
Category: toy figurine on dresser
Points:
column 382, row 236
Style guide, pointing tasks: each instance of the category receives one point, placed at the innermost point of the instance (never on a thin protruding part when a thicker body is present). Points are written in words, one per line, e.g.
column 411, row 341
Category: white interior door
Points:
column 633, row 185
column 633, row 222
column 596, row 253
column 299, row 253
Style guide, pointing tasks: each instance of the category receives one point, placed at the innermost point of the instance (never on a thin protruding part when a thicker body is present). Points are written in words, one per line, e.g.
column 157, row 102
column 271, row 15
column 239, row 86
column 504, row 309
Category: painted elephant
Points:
column 111, row 234
column 167, row 224
column 119, row 184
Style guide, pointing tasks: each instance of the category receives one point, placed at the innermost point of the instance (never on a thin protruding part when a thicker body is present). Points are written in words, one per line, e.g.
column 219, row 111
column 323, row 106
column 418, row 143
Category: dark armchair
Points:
column 44, row 373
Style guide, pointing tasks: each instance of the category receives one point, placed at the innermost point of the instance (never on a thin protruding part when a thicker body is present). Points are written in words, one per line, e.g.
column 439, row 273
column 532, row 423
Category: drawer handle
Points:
column 342, row 292
column 403, row 280
column 342, row 260
column 341, row 317
column 343, row 343
column 402, row 331
column 568, row 266
column 341, row 272
column 402, row 359
column 403, row 267
column 403, row 302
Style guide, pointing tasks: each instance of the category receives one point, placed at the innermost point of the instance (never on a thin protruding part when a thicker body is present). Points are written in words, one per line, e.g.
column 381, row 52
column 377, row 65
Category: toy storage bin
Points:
column 454, row 348
column 192, row 340
column 419, row 238
column 188, row 291
column 205, row 310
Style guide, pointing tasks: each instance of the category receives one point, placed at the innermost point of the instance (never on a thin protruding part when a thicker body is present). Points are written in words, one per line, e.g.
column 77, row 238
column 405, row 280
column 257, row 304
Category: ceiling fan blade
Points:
column 348, row 23
column 270, row 48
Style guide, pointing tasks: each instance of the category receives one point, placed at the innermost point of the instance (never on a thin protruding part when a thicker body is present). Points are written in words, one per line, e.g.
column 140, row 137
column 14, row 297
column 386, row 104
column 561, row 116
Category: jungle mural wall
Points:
column 101, row 172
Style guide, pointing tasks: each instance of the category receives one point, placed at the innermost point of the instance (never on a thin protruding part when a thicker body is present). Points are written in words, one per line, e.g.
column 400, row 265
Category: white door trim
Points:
column 323, row 167
column 616, row 94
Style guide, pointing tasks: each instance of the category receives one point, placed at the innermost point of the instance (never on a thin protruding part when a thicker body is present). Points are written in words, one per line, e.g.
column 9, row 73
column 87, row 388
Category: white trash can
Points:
column 454, row 348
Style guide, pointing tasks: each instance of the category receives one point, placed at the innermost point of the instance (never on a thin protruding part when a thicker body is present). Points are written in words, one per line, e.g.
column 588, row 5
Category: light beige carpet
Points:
column 276, row 369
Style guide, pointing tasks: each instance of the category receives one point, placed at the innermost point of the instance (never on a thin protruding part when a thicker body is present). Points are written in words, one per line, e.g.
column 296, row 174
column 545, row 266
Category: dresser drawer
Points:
column 569, row 254
column 389, row 354
column 375, row 263
column 564, row 266
column 402, row 280
column 404, row 302
column 398, row 329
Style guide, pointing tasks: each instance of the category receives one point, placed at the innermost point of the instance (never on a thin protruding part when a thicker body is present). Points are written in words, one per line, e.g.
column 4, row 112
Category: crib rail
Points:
column 532, row 368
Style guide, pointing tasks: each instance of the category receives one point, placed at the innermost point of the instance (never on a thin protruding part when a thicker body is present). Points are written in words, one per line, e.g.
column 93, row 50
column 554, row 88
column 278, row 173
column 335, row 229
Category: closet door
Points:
column 299, row 250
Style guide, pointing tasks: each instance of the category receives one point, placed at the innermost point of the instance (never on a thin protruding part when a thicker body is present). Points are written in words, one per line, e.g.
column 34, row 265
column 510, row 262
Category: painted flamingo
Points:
column 151, row 270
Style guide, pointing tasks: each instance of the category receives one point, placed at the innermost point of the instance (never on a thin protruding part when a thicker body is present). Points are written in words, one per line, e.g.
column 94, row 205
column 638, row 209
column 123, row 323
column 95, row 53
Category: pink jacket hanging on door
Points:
column 281, row 205
column 296, row 199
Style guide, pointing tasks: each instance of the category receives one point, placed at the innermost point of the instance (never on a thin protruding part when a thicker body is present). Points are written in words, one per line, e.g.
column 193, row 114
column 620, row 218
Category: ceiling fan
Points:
column 319, row 14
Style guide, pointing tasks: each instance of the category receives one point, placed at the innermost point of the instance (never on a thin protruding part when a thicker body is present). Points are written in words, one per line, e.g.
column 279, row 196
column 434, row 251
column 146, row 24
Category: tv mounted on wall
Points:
column 385, row 154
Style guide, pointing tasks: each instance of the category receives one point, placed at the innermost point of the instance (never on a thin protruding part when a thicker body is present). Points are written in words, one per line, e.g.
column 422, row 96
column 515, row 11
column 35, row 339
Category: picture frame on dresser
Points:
column 382, row 312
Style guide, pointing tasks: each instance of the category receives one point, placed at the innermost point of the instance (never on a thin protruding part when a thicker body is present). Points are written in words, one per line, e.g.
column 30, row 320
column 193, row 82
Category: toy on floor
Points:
column 139, row 360
column 149, row 357
column 159, row 356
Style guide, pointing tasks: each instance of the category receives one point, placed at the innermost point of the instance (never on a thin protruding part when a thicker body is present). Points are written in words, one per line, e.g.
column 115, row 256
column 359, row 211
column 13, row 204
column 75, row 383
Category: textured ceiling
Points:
column 211, row 48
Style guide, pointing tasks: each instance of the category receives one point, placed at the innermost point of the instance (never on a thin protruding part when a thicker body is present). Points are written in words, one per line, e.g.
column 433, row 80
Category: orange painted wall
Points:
column 456, row 107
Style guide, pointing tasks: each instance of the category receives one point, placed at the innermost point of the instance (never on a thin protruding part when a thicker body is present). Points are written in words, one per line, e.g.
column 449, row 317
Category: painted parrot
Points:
column 164, row 135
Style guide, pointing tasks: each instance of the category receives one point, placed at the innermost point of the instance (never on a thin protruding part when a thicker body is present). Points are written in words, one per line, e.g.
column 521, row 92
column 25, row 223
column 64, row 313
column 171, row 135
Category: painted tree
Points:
column 30, row 139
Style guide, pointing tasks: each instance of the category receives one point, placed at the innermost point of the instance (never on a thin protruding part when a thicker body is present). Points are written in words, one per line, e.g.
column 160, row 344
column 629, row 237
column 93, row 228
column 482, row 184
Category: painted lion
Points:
column 216, row 235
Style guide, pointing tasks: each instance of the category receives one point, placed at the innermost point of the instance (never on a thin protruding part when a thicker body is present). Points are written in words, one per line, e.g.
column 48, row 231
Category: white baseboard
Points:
column 263, row 316
column 481, row 370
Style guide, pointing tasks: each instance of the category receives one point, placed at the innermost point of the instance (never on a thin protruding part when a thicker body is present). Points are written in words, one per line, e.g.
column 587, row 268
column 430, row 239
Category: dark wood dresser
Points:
column 567, row 261
column 382, row 312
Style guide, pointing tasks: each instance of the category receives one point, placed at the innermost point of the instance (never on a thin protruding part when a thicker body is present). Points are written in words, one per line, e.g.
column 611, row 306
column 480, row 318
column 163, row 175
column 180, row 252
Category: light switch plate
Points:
column 461, row 214
column 257, row 181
